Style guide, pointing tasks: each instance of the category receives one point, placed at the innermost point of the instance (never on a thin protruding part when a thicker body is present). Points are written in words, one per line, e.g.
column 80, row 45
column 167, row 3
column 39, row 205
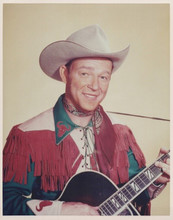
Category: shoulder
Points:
column 114, row 120
column 118, row 125
column 43, row 121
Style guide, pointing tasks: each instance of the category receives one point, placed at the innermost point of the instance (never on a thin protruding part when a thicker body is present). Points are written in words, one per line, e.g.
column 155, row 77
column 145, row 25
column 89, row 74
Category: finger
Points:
column 163, row 151
column 93, row 211
column 165, row 167
column 163, row 179
column 168, row 161
column 166, row 170
column 158, row 164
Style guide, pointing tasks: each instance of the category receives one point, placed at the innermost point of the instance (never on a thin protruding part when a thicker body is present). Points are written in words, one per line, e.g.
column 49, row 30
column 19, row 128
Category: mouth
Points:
column 90, row 96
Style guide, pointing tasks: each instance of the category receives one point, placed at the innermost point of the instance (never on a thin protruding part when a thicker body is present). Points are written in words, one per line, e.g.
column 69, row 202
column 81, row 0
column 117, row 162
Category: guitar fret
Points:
column 149, row 174
column 126, row 193
column 164, row 156
column 144, row 178
column 132, row 189
column 112, row 208
column 109, row 209
column 139, row 182
column 116, row 203
column 104, row 210
column 156, row 170
column 117, row 198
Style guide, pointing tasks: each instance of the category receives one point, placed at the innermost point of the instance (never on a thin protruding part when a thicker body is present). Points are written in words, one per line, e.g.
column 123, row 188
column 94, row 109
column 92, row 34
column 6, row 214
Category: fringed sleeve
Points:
column 16, row 157
column 124, row 141
column 129, row 160
column 53, row 163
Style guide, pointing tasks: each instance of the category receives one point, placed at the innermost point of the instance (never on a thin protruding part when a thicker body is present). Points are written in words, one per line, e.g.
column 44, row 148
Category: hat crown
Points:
column 90, row 41
column 91, row 37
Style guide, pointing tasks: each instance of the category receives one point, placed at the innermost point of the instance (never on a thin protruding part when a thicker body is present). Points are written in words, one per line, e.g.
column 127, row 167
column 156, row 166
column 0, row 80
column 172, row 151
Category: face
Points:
column 87, row 81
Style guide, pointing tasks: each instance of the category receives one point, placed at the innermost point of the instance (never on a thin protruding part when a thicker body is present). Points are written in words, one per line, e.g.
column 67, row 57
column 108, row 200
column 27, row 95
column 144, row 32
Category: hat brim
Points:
column 61, row 52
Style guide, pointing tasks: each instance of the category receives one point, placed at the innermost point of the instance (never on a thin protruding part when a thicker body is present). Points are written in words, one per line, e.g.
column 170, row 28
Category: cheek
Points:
column 104, row 88
column 77, row 84
column 74, row 86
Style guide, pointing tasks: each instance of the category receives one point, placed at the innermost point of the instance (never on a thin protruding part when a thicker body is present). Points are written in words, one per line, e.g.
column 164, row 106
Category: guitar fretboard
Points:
column 121, row 198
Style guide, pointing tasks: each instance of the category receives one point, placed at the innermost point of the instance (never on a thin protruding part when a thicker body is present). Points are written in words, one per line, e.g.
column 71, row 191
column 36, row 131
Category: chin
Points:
column 89, row 109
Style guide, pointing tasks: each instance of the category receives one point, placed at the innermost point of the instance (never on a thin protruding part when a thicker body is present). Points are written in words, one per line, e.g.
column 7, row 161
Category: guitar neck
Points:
column 122, row 197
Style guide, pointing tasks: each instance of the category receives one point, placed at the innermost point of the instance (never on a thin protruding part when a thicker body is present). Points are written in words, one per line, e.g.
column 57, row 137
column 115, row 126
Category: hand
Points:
column 165, row 166
column 77, row 208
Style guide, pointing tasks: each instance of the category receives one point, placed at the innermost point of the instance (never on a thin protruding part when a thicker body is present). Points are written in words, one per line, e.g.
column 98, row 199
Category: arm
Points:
column 134, row 169
column 157, row 187
column 22, row 194
column 16, row 190
column 17, row 199
column 165, row 166
column 14, row 200
column 15, row 196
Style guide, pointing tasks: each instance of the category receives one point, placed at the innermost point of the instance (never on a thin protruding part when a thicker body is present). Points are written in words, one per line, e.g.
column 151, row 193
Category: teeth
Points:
column 90, row 96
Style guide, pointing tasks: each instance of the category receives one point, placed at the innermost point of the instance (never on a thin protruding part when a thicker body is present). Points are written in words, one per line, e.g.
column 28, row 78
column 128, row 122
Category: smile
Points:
column 90, row 96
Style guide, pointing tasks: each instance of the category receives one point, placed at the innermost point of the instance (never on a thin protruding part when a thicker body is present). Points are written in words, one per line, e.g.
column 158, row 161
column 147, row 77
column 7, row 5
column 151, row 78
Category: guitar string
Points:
column 107, row 207
column 107, row 204
column 144, row 179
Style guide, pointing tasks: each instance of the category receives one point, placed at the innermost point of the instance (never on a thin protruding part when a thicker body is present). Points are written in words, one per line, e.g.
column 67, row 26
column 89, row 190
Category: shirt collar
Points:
column 63, row 123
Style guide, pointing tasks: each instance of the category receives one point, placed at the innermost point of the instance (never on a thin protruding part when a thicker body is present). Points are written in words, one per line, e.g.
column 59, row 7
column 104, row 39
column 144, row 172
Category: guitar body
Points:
column 96, row 189
column 92, row 188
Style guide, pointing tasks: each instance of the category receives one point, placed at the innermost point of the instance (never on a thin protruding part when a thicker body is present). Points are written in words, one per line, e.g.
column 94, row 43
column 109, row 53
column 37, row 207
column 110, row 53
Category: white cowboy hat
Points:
column 87, row 42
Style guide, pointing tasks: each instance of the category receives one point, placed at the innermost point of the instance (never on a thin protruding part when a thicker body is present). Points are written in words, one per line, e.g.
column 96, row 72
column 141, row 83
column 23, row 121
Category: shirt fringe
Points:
column 54, row 162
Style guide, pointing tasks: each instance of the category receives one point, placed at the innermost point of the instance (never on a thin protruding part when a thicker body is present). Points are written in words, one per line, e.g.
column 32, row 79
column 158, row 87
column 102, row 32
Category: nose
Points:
column 94, row 83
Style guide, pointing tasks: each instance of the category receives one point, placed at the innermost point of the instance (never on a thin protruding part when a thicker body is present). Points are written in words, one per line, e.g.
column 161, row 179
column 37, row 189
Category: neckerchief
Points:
column 63, row 123
column 72, row 109
column 103, row 130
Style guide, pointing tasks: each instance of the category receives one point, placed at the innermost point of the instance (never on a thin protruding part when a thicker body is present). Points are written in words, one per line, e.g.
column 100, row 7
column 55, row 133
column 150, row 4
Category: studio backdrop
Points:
column 139, row 87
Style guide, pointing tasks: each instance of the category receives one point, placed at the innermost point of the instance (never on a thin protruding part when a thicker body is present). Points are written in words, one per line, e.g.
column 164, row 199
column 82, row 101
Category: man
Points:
column 76, row 135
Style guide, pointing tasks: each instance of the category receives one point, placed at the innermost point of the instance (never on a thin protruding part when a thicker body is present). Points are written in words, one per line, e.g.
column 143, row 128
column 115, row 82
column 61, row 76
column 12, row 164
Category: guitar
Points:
column 95, row 189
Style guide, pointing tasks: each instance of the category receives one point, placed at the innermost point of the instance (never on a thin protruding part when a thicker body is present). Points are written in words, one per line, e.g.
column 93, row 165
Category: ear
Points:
column 63, row 72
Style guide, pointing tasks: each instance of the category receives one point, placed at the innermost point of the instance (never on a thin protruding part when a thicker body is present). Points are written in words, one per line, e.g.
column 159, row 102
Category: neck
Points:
column 75, row 110
column 81, row 121
column 78, row 117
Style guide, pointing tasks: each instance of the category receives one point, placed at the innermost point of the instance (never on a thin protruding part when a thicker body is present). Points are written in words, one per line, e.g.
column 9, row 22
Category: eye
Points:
column 104, row 77
column 84, row 74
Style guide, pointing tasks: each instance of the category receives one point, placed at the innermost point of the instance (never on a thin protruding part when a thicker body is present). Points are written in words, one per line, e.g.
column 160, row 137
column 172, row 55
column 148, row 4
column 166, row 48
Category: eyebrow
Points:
column 91, row 68
column 86, row 67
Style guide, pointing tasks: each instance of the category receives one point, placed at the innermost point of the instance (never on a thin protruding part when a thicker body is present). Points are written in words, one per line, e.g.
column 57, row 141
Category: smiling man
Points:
column 44, row 155
column 87, row 82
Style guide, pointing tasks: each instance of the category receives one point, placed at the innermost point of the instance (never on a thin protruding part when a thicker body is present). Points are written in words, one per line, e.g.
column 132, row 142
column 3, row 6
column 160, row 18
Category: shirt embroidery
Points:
column 63, row 123
column 62, row 129
column 43, row 204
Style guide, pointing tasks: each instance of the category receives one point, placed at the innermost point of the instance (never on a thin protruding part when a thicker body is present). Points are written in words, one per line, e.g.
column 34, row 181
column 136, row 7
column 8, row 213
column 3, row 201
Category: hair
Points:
column 68, row 65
